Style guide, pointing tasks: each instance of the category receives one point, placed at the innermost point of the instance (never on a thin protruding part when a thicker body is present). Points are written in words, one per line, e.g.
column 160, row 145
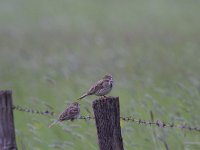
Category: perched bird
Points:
column 101, row 88
column 70, row 113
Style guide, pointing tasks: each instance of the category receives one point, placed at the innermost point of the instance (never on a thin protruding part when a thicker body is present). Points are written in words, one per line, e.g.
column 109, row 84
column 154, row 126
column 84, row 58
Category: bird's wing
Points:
column 96, row 87
column 69, row 113
column 74, row 111
column 63, row 115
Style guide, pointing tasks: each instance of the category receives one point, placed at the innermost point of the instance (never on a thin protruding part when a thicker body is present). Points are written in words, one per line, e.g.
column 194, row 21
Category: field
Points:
column 51, row 52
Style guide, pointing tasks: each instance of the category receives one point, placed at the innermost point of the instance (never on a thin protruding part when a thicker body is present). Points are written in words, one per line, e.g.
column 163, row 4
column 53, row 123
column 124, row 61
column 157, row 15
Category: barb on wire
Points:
column 157, row 123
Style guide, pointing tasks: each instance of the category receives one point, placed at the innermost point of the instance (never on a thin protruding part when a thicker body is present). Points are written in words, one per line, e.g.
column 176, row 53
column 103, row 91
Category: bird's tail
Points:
column 56, row 121
column 84, row 95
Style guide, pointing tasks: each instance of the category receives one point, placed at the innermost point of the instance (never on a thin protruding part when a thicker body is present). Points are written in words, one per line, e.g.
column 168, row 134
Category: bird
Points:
column 70, row 113
column 101, row 88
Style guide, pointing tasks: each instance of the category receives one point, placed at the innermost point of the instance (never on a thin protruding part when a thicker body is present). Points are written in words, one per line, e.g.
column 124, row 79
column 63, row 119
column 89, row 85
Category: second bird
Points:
column 101, row 88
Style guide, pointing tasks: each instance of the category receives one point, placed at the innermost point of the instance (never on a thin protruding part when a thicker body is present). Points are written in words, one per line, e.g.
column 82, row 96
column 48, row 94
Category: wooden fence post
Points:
column 107, row 117
column 7, row 129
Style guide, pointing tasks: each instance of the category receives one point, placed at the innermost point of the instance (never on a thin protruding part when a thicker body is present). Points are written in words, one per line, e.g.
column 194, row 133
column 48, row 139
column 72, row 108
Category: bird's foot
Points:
column 103, row 97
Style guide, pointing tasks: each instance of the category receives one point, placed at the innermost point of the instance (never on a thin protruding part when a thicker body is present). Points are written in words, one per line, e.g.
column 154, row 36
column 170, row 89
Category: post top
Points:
column 101, row 100
column 5, row 92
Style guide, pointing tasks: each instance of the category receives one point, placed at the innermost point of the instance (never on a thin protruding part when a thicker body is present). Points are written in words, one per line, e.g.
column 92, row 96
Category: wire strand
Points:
column 157, row 123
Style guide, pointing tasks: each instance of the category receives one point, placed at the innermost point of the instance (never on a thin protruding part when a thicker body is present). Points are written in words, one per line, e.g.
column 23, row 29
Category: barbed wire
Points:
column 160, row 124
column 157, row 123
column 33, row 111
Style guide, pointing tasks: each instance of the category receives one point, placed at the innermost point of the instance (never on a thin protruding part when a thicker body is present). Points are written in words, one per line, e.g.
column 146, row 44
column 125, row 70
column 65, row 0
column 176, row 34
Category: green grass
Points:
column 52, row 51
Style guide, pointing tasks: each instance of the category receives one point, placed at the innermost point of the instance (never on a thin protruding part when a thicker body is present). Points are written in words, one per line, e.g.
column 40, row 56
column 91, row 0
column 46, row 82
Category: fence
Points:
column 106, row 115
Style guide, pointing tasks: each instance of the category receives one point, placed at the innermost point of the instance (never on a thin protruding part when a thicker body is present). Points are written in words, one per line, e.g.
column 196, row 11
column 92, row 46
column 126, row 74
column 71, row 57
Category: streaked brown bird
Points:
column 101, row 88
column 70, row 113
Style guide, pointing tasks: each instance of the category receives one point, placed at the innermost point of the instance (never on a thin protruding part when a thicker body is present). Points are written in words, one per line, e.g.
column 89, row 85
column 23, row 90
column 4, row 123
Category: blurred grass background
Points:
column 52, row 51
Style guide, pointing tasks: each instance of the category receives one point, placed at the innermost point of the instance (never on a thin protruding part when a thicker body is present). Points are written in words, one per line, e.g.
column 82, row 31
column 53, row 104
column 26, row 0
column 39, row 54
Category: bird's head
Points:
column 108, row 76
column 76, row 104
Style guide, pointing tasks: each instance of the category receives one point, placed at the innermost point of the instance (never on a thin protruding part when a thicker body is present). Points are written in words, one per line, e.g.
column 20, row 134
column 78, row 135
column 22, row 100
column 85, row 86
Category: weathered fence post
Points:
column 7, row 129
column 107, row 117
